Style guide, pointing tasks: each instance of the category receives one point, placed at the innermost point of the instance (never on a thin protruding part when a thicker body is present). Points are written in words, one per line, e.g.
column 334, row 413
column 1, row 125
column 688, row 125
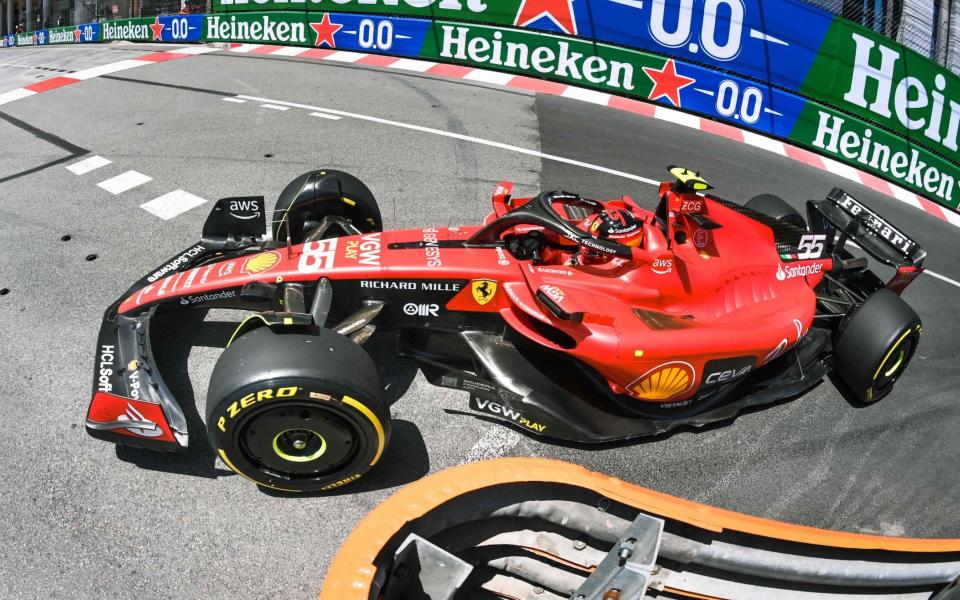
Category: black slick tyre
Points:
column 776, row 207
column 296, row 411
column 875, row 344
column 324, row 192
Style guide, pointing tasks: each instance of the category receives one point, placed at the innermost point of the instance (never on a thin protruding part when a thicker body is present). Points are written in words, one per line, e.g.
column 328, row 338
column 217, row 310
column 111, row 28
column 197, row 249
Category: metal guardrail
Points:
column 929, row 27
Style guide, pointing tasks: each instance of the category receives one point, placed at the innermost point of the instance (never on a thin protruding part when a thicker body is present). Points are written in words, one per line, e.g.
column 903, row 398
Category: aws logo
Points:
column 665, row 381
column 261, row 263
column 662, row 265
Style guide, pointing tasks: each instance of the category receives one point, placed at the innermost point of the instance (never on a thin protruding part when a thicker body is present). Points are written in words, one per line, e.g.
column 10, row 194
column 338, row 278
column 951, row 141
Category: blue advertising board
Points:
column 181, row 28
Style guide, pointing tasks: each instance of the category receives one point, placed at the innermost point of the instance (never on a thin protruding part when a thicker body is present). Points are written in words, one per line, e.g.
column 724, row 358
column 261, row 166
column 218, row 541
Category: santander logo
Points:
column 798, row 271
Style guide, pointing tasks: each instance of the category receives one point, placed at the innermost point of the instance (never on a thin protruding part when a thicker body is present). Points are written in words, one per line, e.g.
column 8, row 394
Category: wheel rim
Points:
column 299, row 440
column 894, row 363
column 299, row 445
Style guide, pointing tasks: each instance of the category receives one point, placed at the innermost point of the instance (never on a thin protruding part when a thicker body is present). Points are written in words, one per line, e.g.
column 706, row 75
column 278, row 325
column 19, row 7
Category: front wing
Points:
column 131, row 404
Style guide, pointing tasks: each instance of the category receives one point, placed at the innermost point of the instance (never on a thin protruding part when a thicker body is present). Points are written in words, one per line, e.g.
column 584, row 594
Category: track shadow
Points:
column 845, row 392
column 396, row 372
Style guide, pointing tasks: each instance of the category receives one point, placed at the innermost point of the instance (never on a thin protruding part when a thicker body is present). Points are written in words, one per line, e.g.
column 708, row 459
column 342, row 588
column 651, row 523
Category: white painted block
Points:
column 124, row 181
column 170, row 205
column 88, row 164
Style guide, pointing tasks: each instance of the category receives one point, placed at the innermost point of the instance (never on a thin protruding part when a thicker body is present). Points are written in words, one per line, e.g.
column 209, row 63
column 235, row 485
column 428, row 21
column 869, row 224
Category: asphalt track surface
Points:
column 79, row 518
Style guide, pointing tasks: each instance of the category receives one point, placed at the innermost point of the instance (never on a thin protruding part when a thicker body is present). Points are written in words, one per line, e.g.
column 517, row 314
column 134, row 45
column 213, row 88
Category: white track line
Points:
column 344, row 56
column 325, row 116
column 943, row 278
column 16, row 94
column 234, row 100
column 904, row 196
column 289, row 51
column 274, row 107
column 89, row 164
column 841, row 169
column 485, row 142
column 764, row 143
column 170, row 205
column 409, row 64
column 124, row 182
column 586, row 95
column 244, row 48
column 194, row 50
column 122, row 65
column 458, row 136
column 676, row 117
column 485, row 76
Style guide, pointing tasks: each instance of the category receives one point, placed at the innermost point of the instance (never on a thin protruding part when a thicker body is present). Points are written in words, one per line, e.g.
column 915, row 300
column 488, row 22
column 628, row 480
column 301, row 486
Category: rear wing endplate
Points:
column 844, row 218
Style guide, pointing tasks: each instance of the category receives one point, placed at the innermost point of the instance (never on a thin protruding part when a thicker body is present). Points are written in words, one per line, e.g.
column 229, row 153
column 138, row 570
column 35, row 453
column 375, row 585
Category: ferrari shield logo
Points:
column 483, row 290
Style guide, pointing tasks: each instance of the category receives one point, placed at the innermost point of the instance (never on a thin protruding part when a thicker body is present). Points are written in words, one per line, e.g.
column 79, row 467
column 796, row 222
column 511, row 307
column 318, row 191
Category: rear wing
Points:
column 843, row 218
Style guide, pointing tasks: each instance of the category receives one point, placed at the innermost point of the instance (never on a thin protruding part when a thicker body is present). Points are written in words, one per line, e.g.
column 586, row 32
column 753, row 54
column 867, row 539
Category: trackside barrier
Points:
column 779, row 67
column 535, row 528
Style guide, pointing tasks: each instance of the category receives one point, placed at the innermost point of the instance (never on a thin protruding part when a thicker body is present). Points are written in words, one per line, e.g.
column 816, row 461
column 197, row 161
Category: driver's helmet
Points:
column 617, row 225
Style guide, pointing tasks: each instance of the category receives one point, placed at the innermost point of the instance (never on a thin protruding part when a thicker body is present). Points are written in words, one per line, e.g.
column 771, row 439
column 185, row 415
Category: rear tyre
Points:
column 297, row 412
column 776, row 207
column 312, row 196
column 875, row 345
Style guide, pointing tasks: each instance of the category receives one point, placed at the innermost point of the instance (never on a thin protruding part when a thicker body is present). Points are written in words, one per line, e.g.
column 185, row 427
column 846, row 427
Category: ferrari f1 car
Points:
column 568, row 317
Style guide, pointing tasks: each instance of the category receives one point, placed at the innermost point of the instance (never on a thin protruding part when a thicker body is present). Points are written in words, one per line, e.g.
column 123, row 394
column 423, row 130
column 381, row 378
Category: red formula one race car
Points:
column 568, row 317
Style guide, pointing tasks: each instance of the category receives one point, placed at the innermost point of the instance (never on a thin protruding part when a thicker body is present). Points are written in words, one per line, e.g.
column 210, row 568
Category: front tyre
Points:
column 297, row 412
column 309, row 198
column 875, row 345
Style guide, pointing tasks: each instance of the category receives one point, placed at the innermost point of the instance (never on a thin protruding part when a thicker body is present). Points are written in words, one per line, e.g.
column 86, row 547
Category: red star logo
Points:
column 666, row 82
column 76, row 35
column 157, row 28
column 558, row 11
column 325, row 31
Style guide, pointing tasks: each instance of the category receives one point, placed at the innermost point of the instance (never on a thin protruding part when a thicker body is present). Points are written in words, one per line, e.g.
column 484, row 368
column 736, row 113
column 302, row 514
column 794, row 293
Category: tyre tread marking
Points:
column 890, row 352
column 373, row 419
column 243, row 324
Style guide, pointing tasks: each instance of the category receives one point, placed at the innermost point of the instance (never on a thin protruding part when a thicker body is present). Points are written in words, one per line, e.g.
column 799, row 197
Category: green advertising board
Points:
column 500, row 12
column 260, row 28
column 62, row 35
column 882, row 82
column 579, row 62
column 136, row 30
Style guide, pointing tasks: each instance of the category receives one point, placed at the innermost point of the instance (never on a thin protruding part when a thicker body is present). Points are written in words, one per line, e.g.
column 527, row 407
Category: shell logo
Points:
column 261, row 263
column 665, row 381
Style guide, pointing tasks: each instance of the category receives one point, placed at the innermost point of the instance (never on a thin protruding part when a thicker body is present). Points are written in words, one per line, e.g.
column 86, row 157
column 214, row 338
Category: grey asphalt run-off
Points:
column 83, row 519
